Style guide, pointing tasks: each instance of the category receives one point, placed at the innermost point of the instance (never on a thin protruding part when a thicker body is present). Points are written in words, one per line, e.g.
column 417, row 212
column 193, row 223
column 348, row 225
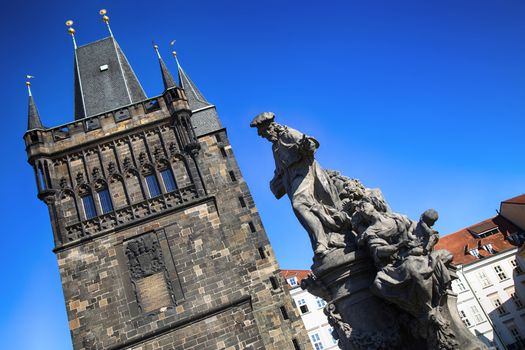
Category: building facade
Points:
column 158, row 240
column 310, row 308
column 491, row 280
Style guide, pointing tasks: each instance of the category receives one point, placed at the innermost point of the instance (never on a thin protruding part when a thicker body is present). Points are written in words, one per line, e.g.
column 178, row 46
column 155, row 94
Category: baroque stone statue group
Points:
column 385, row 285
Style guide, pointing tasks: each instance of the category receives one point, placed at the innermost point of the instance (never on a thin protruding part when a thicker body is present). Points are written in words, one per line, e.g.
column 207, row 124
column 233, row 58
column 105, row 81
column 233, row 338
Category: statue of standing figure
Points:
column 298, row 175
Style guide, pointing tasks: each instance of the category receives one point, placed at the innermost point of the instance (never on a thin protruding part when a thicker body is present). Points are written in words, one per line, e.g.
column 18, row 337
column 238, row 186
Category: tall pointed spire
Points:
column 196, row 99
column 104, row 79
column 167, row 78
column 33, row 118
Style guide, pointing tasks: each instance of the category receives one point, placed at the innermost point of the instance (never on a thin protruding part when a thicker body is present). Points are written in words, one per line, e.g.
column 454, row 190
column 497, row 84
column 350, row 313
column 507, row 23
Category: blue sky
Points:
column 424, row 99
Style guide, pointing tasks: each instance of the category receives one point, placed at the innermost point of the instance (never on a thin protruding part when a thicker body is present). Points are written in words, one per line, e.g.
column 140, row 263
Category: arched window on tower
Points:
column 41, row 179
column 153, row 185
column 167, row 176
column 105, row 200
column 168, row 179
column 89, row 206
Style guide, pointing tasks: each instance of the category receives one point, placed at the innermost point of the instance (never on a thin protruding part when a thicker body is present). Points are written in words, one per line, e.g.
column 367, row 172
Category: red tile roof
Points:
column 299, row 274
column 516, row 200
column 459, row 243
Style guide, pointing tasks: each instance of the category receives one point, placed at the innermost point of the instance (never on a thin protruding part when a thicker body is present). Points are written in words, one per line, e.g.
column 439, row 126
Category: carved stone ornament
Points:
column 157, row 153
column 112, row 168
column 142, row 158
column 95, row 173
column 386, row 286
column 80, row 178
column 127, row 164
column 173, row 148
column 62, row 182
column 144, row 256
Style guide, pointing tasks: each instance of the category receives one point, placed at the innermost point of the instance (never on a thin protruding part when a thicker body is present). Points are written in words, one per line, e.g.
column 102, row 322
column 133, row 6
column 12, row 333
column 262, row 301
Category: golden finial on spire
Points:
column 174, row 53
column 28, row 83
column 105, row 18
column 71, row 31
column 156, row 47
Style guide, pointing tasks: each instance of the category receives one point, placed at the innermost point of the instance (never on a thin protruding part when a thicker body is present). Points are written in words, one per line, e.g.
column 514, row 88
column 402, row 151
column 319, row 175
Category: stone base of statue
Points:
column 362, row 320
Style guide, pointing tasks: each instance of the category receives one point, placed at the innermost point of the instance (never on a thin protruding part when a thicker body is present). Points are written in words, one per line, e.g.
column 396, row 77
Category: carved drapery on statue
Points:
column 386, row 286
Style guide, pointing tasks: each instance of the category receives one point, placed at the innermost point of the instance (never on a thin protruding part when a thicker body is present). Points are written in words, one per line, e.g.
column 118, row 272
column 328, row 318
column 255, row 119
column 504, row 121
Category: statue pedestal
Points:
column 362, row 320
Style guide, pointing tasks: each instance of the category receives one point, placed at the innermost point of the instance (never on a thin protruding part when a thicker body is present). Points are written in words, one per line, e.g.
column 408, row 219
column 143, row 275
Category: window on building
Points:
column 89, row 206
column 478, row 318
column 496, row 301
column 169, row 180
column 331, row 334
column 274, row 283
column 316, row 341
column 153, row 185
column 232, row 176
column 499, row 271
column 514, row 296
column 296, row 344
column 262, row 253
column 458, row 286
column 302, row 306
column 252, row 227
column 284, row 312
column 464, row 318
column 518, row 338
column 489, row 248
column 474, row 252
column 483, row 279
column 320, row 302
column 292, row 281
column 516, row 265
column 105, row 201
column 488, row 233
column 242, row 202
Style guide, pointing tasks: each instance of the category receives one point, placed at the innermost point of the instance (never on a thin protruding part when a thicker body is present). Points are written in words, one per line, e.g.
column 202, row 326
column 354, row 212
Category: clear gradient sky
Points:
column 424, row 99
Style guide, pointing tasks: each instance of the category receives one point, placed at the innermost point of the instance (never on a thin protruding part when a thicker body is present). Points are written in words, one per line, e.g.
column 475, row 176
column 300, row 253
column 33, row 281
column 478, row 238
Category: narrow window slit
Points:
column 242, row 202
column 273, row 281
column 223, row 152
column 262, row 254
column 252, row 227
column 232, row 176
column 284, row 313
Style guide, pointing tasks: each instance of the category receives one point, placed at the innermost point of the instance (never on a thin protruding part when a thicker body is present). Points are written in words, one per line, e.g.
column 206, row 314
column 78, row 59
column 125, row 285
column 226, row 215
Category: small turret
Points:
column 33, row 118
column 167, row 78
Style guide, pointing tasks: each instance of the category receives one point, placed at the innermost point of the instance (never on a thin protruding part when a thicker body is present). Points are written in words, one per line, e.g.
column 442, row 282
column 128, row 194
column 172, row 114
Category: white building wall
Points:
column 314, row 319
column 480, row 286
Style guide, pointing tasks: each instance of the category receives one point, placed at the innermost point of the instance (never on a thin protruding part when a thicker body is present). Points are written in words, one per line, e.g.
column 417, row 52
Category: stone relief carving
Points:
column 144, row 256
column 361, row 245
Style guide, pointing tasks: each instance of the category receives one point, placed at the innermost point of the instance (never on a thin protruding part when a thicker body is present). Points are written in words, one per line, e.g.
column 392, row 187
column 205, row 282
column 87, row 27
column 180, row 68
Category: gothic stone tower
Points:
column 158, row 241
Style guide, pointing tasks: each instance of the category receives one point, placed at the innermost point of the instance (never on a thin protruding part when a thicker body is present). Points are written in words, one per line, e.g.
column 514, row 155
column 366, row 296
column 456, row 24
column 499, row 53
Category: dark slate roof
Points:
column 204, row 118
column 167, row 78
column 98, row 91
column 33, row 118
column 195, row 98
